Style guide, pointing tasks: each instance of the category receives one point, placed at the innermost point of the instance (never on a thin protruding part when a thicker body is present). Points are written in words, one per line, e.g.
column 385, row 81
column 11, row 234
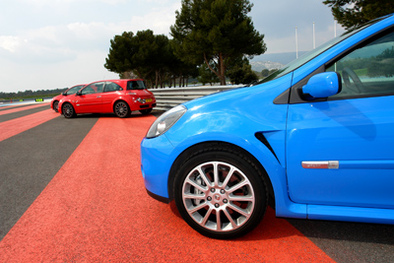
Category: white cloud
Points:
column 58, row 55
column 11, row 43
column 159, row 22
column 60, row 43
column 85, row 67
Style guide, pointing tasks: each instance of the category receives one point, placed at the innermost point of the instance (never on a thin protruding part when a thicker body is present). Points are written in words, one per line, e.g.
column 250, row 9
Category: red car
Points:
column 70, row 91
column 120, row 96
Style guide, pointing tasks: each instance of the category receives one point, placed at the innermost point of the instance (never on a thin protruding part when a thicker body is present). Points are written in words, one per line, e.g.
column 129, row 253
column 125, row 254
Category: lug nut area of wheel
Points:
column 217, row 197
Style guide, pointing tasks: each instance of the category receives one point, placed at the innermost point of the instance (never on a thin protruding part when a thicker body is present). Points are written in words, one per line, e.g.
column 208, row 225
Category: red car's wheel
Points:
column 55, row 106
column 121, row 109
column 68, row 110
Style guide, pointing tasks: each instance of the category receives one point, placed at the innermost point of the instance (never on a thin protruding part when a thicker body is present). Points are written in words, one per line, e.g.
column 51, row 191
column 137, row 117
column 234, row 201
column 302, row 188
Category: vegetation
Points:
column 206, row 75
column 208, row 34
column 381, row 65
column 215, row 32
column 266, row 72
column 146, row 56
column 212, row 42
column 29, row 94
column 353, row 13
column 240, row 72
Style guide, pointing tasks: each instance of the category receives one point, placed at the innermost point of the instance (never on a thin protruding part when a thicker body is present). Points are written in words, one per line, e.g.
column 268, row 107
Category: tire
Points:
column 226, row 207
column 55, row 106
column 68, row 110
column 147, row 111
column 121, row 109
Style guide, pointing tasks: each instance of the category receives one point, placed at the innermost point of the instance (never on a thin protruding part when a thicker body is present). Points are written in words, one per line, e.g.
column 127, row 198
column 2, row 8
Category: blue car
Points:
column 315, row 140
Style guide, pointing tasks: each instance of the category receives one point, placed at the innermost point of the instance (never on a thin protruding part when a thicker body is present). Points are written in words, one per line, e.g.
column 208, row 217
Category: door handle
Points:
column 320, row 164
column 98, row 96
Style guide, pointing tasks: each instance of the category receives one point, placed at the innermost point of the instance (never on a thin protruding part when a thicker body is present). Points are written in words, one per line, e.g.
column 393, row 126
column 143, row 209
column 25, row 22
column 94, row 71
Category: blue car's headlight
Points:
column 165, row 121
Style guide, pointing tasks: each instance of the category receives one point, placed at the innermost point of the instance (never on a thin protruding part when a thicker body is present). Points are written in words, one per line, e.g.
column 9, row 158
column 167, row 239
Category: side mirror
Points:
column 64, row 93
column 322, row 85
column 79, row 93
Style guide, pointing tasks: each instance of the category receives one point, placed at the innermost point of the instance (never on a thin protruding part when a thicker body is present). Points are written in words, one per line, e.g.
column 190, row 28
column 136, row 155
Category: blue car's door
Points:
column 341, row 151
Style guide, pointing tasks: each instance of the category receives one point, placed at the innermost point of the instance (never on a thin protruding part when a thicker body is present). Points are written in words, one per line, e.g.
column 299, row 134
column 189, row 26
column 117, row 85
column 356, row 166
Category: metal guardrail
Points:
column 168, row 98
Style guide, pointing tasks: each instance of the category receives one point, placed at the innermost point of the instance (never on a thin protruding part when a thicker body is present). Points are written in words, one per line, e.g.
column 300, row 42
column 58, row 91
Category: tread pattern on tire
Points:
column 225, row 148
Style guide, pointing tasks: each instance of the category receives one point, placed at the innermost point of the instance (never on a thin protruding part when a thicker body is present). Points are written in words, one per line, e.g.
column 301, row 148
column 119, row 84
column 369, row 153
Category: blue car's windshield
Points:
column 313, row 53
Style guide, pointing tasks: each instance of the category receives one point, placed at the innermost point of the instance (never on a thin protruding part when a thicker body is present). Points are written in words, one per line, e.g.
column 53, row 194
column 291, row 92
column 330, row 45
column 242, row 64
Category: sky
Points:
column 51, row 44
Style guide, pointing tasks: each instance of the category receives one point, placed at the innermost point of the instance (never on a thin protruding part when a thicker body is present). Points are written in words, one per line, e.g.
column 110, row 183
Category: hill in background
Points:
column 273, row 61
column 258, row 63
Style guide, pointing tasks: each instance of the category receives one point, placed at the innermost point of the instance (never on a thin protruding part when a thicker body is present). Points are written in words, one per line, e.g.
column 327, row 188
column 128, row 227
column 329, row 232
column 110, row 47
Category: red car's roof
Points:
column 117, row 80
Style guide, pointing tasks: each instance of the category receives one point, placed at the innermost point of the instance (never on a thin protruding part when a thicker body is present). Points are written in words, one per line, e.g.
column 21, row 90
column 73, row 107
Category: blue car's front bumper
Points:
column 156, row 164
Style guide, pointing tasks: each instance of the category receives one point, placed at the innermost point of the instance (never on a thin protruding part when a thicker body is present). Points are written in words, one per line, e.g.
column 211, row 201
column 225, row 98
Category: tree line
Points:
column 354, row 13
column 30, row 94
column 381, row 65
column 212, row 40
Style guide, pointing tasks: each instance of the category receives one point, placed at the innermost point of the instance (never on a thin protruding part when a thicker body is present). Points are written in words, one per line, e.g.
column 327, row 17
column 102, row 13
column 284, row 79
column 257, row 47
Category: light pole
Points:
column 314, row 36
column 296, row 42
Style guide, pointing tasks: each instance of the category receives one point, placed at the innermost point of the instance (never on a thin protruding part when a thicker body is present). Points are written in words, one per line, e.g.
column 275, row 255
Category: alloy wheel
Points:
column 218, row 196
column 121, row 109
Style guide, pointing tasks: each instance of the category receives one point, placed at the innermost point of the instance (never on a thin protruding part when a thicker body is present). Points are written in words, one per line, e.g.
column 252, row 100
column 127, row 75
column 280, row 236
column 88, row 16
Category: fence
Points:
column 170, row 97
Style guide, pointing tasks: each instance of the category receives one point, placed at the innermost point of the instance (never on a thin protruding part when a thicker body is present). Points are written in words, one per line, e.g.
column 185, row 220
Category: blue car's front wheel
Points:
column 220, row 193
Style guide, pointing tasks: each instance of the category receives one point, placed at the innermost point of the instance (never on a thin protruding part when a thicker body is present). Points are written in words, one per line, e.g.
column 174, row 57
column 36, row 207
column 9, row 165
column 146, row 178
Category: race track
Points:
column 71, row 190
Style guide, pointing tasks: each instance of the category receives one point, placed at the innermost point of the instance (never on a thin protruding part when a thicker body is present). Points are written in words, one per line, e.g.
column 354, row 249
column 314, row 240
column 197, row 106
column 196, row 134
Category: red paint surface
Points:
column 28, row 107
column 18, row 125
column 96, row 210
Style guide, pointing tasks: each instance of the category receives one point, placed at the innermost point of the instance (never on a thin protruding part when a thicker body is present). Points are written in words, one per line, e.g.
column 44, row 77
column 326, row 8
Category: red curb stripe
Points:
column 12, row 127
column 96, row 209
column 22, row 108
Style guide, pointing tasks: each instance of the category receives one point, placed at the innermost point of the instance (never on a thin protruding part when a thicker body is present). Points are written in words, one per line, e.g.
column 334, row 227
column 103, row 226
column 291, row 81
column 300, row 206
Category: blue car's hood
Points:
column 237, row 97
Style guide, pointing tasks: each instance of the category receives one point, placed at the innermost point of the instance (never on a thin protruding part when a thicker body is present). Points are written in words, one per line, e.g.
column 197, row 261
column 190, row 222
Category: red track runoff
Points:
column 11, row 109
column 96, row 209
column 18, row 125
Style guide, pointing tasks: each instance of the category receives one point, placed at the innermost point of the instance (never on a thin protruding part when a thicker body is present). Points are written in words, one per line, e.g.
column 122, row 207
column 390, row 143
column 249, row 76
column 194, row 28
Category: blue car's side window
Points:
column 368, row 70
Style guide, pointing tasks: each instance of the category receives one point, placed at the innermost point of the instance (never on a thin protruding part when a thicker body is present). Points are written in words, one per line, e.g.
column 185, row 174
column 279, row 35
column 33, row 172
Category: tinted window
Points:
column 93, row 88
column 110, row 86
column 368, row 70
column 315, row 52
column 74, row 90
column 135, row 84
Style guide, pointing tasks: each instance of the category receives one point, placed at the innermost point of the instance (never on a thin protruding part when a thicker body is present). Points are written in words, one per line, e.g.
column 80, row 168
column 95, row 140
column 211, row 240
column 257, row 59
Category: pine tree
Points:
column 214, row 32
column 353, row 13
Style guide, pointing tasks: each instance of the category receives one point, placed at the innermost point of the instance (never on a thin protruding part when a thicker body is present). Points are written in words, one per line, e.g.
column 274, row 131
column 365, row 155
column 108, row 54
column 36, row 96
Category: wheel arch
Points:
column 66, row 102
column 118, row 100
column 53, row 105
column 61, row 111
column 198, row 148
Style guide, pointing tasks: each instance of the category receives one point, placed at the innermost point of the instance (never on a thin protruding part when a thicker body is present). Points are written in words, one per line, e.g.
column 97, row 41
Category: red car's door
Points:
column 111, row 92
column 90, row 100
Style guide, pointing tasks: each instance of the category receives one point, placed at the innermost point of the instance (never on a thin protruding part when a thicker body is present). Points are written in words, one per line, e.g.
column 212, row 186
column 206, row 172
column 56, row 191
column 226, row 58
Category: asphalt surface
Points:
column 29, row 161
column 66, row 195
column 18, row 114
